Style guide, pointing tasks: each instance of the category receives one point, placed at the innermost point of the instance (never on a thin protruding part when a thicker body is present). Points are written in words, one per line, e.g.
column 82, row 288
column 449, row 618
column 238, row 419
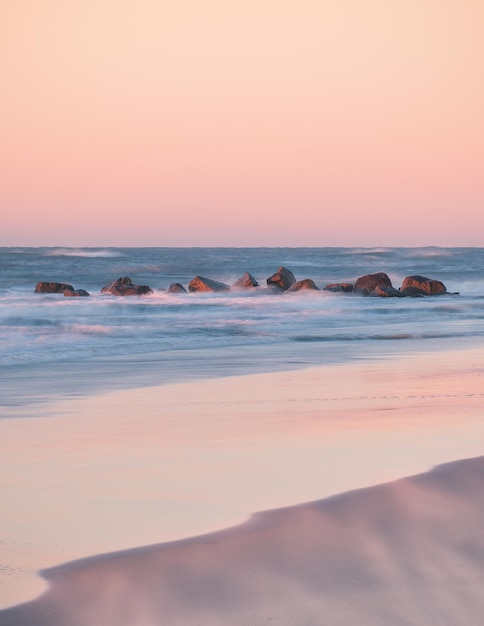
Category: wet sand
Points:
column 132, row 468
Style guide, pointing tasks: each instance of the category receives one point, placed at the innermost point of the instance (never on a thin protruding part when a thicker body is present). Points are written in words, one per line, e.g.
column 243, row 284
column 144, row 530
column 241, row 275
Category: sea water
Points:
column 93, row 471
column 53, row 345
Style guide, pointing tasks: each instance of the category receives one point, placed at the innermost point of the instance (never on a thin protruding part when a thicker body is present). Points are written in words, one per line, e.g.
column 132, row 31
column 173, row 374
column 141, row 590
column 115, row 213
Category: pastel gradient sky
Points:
column 242, row 123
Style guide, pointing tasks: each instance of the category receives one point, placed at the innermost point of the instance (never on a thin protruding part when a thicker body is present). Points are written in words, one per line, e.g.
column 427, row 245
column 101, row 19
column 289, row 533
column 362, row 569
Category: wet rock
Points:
column 301, row 285
column 422, row 286
column 411, row 292
column 49, row 287
column 246, row 281
column 339, row 287
column 76, row 293
column 386, row 292
column 125, row 287
column 282, row 279
column 366, row 285
column 200, row 283
column 176, row 288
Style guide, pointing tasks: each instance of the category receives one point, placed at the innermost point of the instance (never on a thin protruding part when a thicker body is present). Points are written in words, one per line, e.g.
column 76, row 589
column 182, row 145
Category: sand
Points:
column 133, row 468
column 407, row 552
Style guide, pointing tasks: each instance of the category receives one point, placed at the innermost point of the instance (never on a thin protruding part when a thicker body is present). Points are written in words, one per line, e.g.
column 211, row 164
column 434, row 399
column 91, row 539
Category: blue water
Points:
column 53, row 346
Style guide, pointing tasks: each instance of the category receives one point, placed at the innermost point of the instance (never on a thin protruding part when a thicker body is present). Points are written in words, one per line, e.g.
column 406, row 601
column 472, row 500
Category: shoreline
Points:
column 109, row 374
column 134, row 467
column 408, row 551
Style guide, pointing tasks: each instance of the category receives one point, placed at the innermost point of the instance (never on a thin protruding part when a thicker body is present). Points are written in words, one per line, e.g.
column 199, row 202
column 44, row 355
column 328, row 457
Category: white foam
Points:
column 83, row 252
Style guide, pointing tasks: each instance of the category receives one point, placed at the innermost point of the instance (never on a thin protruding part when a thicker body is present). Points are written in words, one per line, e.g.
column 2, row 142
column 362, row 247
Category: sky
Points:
column 241, row 122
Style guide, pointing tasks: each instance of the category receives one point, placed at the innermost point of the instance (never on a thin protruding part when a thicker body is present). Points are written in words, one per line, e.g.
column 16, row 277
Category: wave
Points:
column 378, row 337
column 24, row 322
column 83, row 252
column 377, row 250
column 417, row 253
column 88, row 329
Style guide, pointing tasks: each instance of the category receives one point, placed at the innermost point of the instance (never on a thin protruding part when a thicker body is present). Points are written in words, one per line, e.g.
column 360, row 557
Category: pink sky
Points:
column 244, row 123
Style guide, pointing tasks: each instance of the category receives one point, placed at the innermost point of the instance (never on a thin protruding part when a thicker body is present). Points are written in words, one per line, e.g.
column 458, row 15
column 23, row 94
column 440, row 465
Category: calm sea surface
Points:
column 51, row 345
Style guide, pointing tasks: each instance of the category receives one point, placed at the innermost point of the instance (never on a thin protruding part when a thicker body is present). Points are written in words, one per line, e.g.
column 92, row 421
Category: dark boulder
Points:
column 366, row 285
column 125, row 287
column 301, row 285
column 117, row 285
column 246, row 281
column 200, row 283
column 46, row 287
column 411, row 292
column 339, row 287
column 282, row 279
column 76, row 293
column 176, row 288
column 422, row 286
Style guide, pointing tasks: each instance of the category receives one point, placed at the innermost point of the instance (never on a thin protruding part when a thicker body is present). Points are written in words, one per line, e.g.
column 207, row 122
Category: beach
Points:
column 409, row 552
column 241, row 313
column 133, row 428
column 116, row 471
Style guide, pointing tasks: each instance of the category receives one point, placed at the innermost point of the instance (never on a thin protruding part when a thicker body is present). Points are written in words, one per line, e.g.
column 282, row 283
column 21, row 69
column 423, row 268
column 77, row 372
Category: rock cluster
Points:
column 282, row 281
column 380, row 285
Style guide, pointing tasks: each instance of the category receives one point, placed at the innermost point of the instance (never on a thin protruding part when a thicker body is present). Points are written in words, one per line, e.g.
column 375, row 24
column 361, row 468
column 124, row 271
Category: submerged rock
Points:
column 422, row 286
column 200, row 283
column 246, row 281
column 50, row 287
column 124, row 287
column 282, row 279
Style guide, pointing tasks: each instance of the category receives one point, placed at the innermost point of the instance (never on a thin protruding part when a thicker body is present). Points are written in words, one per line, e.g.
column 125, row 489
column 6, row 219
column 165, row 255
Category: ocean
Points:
column 133, row 420
column 51, row 345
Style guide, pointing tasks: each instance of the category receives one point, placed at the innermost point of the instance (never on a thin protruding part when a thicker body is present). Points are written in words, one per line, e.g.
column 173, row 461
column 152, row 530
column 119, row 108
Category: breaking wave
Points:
column 84, row 252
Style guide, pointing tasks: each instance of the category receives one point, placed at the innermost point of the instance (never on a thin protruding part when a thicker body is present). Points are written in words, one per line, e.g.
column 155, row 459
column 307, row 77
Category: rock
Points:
column 301, row 285
column 386, row 292
column 125, row 287
column 282, row 279
column 421, row 286
column 411, row 292
column 246, row 281
column 76, row 293
column 176, row 288
column 199, row 283
column 368, row 283
column 117, row 284
column 339, row 287
column 42, row 287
